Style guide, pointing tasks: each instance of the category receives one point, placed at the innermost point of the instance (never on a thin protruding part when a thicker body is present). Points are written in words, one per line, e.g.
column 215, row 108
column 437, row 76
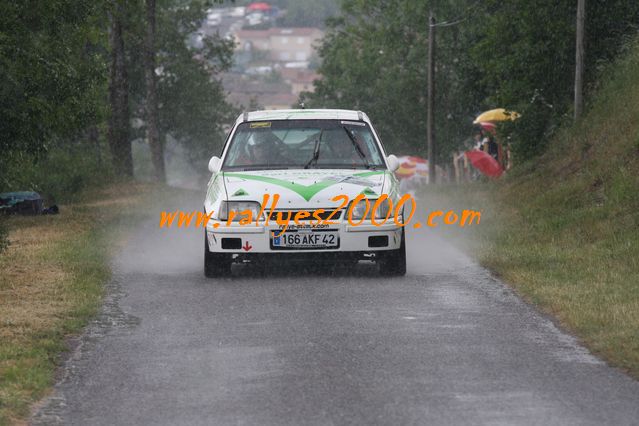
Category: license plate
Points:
column 305, row 240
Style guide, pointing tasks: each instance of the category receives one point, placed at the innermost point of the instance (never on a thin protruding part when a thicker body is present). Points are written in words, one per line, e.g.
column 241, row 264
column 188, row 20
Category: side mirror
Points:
column 214, row 164
column 393, row 162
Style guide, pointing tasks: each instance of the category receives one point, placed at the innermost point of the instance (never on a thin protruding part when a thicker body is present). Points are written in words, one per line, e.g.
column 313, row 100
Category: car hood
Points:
column 303, row 188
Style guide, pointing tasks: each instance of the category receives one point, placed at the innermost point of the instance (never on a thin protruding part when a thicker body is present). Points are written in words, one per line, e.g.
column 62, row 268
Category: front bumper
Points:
column 257, row 239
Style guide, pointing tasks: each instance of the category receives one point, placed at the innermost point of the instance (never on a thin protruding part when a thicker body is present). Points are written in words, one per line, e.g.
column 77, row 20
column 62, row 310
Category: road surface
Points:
column 447, row 344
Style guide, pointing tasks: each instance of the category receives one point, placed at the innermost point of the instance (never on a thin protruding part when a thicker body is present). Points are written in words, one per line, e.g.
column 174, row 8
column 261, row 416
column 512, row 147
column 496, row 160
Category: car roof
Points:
column 303, row 114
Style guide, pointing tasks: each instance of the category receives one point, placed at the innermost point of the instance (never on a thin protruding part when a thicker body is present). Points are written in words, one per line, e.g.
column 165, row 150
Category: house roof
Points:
column 296, row 75
column 293, row 32
column 280, row 99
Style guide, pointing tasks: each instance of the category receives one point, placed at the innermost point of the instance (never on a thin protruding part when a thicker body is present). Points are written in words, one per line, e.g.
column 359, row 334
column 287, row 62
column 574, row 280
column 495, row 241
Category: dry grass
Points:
column 51, row 279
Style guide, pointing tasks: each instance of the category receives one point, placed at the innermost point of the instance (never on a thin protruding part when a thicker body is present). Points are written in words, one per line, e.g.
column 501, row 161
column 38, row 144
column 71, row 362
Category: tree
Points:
column 192, row 109
column 579, row 58
column 374, row 58
column 70, row 67
column 51, row 73
column 152, row 125
column 514, row 54
column 119, row 119
column 525, row 55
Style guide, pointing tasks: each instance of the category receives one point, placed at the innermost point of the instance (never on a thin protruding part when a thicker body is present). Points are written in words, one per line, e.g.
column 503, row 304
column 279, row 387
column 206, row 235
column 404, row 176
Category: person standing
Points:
column 491, row 147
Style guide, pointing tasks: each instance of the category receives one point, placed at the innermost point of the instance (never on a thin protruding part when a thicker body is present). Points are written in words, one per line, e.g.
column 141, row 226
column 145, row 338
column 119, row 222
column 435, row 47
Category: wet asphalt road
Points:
column 447, row 344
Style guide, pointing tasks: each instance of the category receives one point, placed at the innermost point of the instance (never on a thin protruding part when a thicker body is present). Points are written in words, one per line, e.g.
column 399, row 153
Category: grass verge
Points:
column 578, row 267
column 51, row 284
column 564, row 230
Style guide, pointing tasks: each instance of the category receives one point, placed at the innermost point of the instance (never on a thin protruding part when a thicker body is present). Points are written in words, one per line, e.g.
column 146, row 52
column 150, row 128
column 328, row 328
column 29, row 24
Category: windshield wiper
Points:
column 357, row 148
column 316, row 151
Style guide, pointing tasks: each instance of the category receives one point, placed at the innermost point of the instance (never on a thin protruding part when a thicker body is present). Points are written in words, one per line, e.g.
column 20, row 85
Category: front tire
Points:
column 215, row 264
column 393, row 262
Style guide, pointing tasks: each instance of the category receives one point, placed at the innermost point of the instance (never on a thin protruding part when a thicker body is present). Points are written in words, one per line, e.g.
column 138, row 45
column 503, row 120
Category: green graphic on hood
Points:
column 239, row 193
column 306, row 192
column 367, row 174
column 369, row 191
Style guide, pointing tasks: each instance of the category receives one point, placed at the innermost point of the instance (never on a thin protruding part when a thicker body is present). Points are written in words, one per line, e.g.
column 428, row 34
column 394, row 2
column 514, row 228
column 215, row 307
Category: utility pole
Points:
column 430, row 122
column 579, row 59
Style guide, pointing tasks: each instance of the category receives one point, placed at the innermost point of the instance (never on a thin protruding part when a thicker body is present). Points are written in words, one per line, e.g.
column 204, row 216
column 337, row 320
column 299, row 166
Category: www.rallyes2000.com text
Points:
column 283, row 217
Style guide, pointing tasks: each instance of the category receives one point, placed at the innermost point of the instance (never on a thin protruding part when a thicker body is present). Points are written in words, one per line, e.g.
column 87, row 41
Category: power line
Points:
column 461, row 18
column 449, row 24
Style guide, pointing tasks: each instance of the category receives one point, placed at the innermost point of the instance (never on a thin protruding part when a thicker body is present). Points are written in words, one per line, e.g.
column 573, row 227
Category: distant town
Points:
column 272, row 64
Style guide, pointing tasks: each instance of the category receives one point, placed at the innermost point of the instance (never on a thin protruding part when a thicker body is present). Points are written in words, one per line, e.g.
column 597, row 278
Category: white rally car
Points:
column 303, row 184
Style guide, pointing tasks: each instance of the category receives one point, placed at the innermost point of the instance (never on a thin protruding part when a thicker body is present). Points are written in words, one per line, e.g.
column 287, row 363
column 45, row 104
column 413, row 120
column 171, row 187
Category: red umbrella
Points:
column 258, row 6
column 485, row 163
column 489, row 127
column 409, row 166
column 416, row 159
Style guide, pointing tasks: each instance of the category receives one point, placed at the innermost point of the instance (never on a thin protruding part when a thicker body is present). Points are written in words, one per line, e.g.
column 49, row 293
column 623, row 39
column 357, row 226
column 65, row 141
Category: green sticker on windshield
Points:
column 260, row 124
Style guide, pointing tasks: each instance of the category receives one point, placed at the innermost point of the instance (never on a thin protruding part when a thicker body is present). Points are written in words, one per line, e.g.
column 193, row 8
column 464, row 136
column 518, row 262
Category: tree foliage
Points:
column 191, row 100
column 526, row 54
column 193, row 108
column 55, row 60
column 515, row 54
column 52, row 74
column 374, row 59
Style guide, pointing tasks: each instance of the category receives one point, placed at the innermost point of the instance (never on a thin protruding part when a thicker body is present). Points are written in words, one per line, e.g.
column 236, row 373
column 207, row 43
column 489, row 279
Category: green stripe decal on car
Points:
column 306, row 192
column 367, row 174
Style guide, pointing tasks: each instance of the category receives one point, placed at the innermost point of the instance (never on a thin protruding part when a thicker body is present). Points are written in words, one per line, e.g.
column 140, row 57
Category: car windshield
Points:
column 298, row 144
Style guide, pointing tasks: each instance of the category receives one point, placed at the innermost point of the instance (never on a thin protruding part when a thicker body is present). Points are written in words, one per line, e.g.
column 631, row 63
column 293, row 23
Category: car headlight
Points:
column 240, row 208
column 359, row 209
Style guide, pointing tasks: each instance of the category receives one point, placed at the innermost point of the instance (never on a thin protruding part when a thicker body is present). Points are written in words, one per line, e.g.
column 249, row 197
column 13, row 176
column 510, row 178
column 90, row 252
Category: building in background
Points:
column 300, row 80
column 281, row 44
column 271, row 65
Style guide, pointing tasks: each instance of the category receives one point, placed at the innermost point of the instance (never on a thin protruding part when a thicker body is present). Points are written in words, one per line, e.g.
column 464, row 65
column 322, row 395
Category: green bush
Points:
column 62, row 172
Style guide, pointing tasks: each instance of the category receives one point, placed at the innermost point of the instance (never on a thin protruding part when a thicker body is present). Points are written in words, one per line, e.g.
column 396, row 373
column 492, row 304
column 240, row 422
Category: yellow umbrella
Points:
column 498, row 114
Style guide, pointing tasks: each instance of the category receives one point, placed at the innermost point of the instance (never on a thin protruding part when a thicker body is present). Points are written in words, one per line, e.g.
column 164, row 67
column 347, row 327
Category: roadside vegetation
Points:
column 563, row 229
column 51, row 283
column 513, row 54
column 81, row 81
